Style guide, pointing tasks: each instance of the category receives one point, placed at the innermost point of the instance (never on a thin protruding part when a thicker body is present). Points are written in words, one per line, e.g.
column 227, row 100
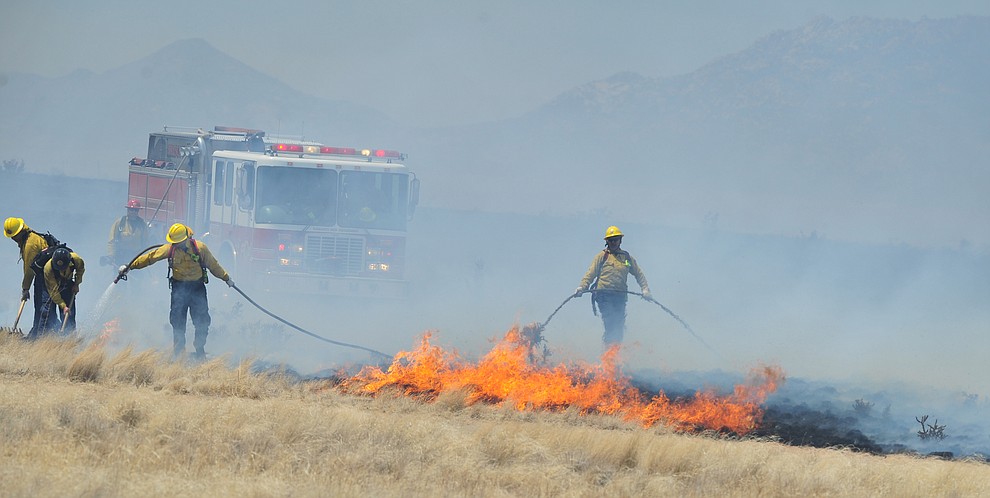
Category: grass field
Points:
column 80, row 421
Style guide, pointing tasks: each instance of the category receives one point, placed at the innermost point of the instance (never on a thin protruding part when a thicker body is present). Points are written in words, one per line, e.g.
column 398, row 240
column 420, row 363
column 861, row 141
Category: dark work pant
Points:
column 45, row 320
column 189, row 297
column 48, row 314
column 612, row 306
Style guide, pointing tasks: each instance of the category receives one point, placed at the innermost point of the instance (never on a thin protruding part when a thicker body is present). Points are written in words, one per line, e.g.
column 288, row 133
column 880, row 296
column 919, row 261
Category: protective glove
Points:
column 578, row 292
column 648, row 297
column 230, row 282
column 25, row 294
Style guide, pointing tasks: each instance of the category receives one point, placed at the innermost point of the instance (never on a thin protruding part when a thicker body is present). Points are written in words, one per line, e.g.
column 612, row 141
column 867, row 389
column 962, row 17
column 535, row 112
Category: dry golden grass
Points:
column 78, row 421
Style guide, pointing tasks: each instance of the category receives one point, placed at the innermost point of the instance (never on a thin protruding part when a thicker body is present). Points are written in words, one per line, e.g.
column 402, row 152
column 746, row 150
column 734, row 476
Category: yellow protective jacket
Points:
column 614, row 270
column 33, row 245
column 56, row 280
column 127, row 234
column 185, row 263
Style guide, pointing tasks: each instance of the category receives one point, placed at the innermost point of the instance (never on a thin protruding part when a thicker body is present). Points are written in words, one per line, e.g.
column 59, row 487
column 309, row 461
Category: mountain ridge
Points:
column 876, row 118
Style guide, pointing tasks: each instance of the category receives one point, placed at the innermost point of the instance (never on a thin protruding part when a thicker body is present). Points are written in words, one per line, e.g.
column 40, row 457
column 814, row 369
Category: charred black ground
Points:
column 803, row 426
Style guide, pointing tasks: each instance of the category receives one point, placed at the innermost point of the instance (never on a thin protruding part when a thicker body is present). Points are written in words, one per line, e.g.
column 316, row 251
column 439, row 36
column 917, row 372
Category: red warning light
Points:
column 344, row 151
column 287, row 148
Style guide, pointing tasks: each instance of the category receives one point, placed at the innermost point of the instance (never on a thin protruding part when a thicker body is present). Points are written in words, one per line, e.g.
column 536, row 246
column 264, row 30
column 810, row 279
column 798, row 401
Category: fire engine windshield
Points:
column 373, row 200
column 296, row 196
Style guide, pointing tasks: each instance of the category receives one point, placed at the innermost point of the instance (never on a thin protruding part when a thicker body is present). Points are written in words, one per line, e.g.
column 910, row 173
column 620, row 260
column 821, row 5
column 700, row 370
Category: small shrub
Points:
column 862, row 407
column 930, row 431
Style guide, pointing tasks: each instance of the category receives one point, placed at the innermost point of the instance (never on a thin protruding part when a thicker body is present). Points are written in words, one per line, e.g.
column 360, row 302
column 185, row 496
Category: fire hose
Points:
column 687, row 327
column 304, row 331
column 122, row 275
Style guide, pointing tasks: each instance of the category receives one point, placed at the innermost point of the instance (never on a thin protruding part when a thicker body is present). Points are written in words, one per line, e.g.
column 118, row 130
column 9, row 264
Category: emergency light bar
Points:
column 381, row 153
column 287, row 148
column 337, row 151
column 343, row 151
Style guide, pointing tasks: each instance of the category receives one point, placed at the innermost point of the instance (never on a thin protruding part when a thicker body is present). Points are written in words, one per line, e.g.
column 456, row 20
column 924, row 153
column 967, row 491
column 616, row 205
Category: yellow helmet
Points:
column 612, row 231
column 13, row 226
column 178, row 233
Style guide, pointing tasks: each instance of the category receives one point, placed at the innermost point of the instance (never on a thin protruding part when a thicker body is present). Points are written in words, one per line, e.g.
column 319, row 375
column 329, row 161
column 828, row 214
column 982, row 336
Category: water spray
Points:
column 102, row 303
column 108, row 294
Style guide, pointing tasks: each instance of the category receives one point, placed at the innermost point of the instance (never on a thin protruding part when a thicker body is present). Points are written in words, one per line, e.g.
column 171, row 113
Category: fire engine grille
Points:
column 339, row 255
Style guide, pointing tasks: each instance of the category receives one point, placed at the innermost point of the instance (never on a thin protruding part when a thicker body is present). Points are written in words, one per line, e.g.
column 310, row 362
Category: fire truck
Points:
column 283, row 215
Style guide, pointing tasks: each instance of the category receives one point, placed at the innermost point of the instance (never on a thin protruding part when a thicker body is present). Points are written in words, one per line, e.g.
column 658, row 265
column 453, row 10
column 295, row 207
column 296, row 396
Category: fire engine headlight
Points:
column 290, row 255
column 377, row 259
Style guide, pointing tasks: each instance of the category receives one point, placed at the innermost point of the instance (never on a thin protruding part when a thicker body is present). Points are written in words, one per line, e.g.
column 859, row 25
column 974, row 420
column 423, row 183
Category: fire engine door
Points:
column 223, row 187
column 233, row 193
column 244, row 193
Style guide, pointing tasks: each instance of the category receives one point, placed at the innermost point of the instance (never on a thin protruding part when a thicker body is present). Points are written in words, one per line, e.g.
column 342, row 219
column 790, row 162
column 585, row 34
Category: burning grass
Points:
column 506, row 375
column 134, row 424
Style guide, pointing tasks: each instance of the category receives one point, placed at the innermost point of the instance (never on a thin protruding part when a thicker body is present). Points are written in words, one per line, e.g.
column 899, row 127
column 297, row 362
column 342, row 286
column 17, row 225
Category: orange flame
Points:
column 110, row 329
column 505, row 375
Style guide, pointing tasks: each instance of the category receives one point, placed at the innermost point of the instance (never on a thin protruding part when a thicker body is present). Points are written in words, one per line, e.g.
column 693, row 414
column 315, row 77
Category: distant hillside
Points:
column 863, row 128
column 91, row 123
column 879, row 123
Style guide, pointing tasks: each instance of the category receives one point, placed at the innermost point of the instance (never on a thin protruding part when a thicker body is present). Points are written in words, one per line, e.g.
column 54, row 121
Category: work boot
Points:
column 178, row 351
column 199, row 355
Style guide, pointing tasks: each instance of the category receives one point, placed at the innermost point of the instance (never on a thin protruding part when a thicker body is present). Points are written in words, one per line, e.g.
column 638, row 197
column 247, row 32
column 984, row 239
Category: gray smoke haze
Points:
column 889, row 324
column 872, row 284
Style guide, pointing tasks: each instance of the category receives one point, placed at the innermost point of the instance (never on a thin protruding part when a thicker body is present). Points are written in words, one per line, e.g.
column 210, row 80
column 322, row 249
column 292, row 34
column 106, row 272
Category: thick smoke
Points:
column 896, row 327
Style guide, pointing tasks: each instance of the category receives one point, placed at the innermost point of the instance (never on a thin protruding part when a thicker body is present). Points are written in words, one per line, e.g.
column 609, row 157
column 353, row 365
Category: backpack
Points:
column 195, row 257
column 43, row 257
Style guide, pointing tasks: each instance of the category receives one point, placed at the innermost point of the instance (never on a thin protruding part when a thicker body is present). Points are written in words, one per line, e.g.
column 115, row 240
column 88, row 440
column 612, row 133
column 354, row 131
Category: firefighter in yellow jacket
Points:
column 29, row 245
column 188, row 262
column 606, row 278
column 63, row 275
column 128, row 236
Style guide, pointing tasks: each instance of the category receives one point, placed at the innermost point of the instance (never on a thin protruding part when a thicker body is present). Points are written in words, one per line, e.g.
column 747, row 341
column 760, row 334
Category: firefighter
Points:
column 128, row 236
column 606, row 277
column 188, row 263
column 63, row 276
column 29, row 244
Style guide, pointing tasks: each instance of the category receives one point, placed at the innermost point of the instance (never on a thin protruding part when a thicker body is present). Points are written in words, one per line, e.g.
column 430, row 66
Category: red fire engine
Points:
column 283, row 215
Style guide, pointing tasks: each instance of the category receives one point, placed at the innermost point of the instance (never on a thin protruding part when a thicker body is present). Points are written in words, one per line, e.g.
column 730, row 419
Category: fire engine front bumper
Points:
column 302, row 283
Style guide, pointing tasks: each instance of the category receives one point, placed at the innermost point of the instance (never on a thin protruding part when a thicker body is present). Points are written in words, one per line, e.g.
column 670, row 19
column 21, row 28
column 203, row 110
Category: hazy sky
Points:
column 425, row 63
